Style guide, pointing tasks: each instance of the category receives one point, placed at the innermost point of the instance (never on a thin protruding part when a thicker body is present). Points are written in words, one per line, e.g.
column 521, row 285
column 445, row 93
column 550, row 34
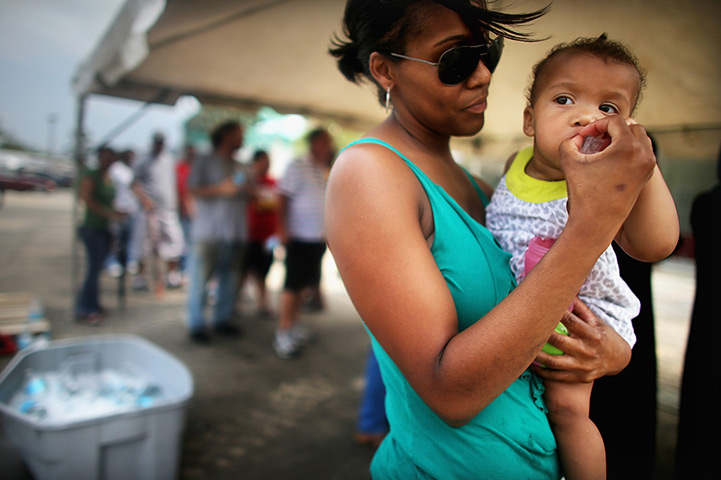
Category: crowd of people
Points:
column 208, row 223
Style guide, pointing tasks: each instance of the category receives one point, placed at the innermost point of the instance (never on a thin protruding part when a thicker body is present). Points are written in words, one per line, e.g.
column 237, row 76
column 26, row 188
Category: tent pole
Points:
column 79, row 164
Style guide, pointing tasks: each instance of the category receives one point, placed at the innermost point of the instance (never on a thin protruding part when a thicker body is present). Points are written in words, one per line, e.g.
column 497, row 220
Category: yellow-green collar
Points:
column 531, row 189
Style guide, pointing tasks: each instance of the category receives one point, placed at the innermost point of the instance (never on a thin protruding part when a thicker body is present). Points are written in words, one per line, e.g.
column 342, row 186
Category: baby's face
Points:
column 573, row 91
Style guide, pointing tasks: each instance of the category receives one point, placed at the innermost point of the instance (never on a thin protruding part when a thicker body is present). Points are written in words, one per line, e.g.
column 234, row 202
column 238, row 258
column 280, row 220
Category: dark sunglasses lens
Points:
column 493, row 55
column 457, row 64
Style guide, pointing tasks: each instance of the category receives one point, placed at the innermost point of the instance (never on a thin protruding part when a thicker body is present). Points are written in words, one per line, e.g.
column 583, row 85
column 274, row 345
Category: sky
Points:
column 41, row 44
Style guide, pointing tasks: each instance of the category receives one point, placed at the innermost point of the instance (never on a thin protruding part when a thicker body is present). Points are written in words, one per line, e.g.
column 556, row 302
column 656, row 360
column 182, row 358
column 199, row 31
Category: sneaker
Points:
column 265, row 313
column 228, row 330
column 369, row 439
column 140, row 285
column 302, row 336
column 313, row 305
column 133, row 267
column 211, row 291
column 115, row 270
column 199, row 336
column 175, row 279
column 285, row 346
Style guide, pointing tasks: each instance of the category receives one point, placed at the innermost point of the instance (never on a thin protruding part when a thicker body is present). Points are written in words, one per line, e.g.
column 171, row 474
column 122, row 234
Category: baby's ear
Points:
column 528, row 128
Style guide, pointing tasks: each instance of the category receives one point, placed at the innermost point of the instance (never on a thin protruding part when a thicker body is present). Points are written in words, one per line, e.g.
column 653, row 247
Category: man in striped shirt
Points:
column 302, row 231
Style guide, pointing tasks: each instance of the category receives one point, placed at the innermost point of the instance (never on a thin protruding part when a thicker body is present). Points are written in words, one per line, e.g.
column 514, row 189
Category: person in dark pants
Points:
column 629, row 398
column 372, row 423
column 623, row 406
column 97, row 191
column 262, row 230
column 698, row 446
column 221, row 188
column 301, row 229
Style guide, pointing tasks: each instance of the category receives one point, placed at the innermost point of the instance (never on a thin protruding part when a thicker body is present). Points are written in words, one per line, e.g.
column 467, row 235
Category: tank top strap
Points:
column 422, row 177
column 479, row 190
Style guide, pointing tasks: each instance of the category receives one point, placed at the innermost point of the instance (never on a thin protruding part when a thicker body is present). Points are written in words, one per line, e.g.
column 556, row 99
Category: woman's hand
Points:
column 592, row 350
column 603, row 187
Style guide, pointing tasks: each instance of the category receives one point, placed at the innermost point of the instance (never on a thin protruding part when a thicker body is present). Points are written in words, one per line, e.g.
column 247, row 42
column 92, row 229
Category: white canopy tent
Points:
column 250, row 53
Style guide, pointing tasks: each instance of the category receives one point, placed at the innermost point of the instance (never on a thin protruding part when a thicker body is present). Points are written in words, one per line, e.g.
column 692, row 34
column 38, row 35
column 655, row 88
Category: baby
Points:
column 575, row 85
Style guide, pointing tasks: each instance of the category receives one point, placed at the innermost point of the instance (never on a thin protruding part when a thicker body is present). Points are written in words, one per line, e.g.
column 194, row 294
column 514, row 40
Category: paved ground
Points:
column 254, row 416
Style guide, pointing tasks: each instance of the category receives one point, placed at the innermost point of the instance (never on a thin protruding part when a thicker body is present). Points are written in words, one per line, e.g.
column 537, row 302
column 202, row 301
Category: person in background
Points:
column 155, row 185
column 97, row 192
column 262, row 226
column 301, row 230
column 123, row 254
column 372, row 423
column 631, row 452
column 185, row 202
column 221, row 188
column 698, row 446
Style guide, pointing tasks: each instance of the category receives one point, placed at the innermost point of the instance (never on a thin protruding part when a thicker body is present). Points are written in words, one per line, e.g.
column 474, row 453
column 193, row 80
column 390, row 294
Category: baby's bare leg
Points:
column 580, row 445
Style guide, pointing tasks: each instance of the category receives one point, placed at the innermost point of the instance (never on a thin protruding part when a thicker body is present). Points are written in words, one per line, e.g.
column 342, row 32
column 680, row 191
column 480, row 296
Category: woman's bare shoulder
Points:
column 372, row 186
column 372, row 168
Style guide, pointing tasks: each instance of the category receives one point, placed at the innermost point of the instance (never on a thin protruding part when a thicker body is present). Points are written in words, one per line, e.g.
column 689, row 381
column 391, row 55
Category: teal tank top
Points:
column 511, row 437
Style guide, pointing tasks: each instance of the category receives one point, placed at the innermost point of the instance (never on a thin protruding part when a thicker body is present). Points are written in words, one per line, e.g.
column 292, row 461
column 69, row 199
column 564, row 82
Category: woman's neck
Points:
column 416, row 137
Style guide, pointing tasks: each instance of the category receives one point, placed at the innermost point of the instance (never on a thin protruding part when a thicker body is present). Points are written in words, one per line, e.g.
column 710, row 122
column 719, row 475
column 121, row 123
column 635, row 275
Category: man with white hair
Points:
column 155, row 185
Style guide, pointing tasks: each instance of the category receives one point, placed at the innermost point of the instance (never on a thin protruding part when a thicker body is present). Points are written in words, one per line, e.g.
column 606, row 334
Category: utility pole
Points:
column 50, row 146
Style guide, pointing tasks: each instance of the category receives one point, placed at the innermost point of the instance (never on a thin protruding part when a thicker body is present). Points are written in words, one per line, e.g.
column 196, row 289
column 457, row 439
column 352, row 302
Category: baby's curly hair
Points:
column 601, row 47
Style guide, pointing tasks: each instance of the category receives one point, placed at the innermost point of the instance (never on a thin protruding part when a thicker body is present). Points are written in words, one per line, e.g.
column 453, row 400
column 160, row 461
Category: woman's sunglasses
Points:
column 458, row 63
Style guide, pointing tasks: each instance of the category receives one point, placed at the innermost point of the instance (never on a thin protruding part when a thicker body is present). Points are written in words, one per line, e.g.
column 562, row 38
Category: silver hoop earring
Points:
column 388, row 98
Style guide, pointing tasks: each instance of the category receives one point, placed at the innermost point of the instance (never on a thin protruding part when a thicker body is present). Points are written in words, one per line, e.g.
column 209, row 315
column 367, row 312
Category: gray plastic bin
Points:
column 141, row 444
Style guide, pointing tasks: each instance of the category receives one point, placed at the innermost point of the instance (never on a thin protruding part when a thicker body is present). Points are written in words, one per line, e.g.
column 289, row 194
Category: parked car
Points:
column 22, row 181
column 61, row 180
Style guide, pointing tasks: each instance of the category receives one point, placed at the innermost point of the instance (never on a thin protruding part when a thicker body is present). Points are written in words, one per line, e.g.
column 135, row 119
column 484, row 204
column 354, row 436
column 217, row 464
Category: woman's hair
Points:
column 220, row 132
column 387, row 25
column 601, row 47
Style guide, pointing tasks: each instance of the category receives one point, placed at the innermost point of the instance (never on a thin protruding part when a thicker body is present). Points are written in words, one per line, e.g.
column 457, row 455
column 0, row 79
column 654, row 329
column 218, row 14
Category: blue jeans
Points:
column 372, row 413
column 97, row 244
column 224, row 260
column 120, row 248
column 183, row 261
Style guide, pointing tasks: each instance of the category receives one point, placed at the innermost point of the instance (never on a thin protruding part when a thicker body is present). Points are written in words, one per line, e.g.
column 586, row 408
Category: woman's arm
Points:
column 374, row 207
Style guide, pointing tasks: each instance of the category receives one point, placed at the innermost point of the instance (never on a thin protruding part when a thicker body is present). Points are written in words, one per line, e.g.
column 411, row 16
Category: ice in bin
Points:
column 101, row 407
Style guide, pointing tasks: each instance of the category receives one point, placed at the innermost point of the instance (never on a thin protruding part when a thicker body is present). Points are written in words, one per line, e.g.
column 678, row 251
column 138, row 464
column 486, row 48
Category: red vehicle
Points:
column 25, row 181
